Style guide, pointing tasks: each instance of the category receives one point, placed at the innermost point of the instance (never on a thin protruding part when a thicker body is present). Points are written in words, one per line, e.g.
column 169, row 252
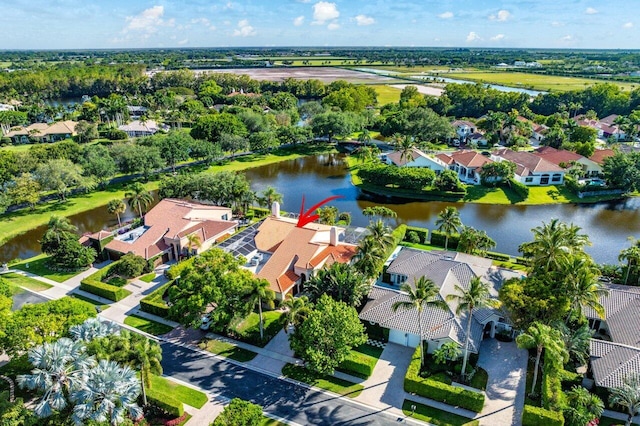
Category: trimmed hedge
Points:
column 439, row 391
column 358, row 364
column 537, row 416
column 520, row 189
column 154, row 303
column 497, row 256
column 438, row 239
column 93, row 284
column 165, row 402
column 174, row 271
column 423, row 233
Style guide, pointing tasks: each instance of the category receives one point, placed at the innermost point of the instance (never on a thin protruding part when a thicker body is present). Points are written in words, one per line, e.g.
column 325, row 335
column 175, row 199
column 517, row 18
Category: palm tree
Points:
column 270, row 196
column 583, row 406
column 541, row 337
column 366, row 153
column 147, row 356
column 475, row 296
column 139, row 197
column 58, row 226
column 93, row 328
column 259, row 292
column 116, row 207
column 449, row 222
column 422, row 294
column 193, row 243
column 107, row 395
column 60, row 368
column 575, row 342
column 380, row 233
column 341, row 281
column 632, row 256
column 368, row 257
column 582, row 285
column 298, row 308
column 627, row 396
column 405, row 145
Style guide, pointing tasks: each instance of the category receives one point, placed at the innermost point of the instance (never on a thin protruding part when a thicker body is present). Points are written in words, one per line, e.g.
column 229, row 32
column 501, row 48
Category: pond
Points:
column 607, row 224
column 499, row 87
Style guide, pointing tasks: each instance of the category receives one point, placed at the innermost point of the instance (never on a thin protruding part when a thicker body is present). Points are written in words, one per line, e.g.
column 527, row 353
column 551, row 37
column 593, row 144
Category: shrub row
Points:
column 165, row 402
column 537, row 416
column 439, row 391
column 93, row 284
column 422, row 233
column 358, row 364
column 497, row 256
column 154, row 302
column 439, row 238
column 552, row 394
column 523, row 261
column 174, row 271
column 520, row 189
column 403, row 177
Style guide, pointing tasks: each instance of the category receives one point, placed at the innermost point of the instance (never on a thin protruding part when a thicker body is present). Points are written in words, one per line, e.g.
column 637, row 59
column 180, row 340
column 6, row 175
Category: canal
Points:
column 607, row 224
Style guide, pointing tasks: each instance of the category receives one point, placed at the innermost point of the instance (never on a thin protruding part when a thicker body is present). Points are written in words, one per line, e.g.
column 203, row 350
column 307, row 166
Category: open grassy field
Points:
column 38, row 265
column 321, row 62
column 386, row 94
column 550, row 83
column 26, row 282
column 324, row 73
column 419, row 69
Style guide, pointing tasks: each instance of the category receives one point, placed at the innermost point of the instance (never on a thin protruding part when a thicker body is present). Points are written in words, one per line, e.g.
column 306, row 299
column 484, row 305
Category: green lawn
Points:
column 434, row 415
column 330, row 383
column 386, row 94
column 37, row 265
column 148, row 278
column 89, row 300
column 249, row 329
column 229, row 351
column 480, row 379
column 266, row 421
column 184, row 394
column 146, row 325
column 26, row 282
column 535, row 399
column 419, row 246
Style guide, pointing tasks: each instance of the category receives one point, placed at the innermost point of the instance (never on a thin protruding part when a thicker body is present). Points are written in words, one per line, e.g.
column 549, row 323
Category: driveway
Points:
column 278, row 397
column 506, row 366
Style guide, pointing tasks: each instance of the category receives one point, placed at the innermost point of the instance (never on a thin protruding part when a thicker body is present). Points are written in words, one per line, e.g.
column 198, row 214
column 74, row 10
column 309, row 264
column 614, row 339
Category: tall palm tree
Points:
column 368, row 257
column 475, row 296
column 58, row 226
column 259, row 292
column 627, row 396
column 193, row 243
column 575, row 342
column 116, row 207
column 541, row 337
column 109, row 392
column 449, row 222
column 380, row 233
column 632, row 256
column 269, row 196
column 93, row 328
column 298, row 308
column 582, row 285
column 60, row 368
column 422, row 294
column 405, row 145
column 366, row 153
column 139, row 197
column 148, row 355
column 341, row 281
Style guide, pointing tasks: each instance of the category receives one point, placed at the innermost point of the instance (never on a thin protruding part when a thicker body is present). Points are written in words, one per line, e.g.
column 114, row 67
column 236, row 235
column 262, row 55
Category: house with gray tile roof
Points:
column 446, row 269
column 615, row 354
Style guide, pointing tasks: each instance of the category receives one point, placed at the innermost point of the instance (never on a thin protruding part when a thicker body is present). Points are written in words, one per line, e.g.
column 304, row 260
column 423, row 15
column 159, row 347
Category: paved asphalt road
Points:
column 21, row 299
column 278, row 397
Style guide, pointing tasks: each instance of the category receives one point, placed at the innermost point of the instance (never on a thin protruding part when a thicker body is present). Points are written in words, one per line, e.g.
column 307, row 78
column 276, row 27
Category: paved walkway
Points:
column 506, row 366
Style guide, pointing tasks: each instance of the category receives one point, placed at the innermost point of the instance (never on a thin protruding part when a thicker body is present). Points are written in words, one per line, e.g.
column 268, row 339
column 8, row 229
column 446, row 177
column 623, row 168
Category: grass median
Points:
column 146, row 325
column 435, row 416
column 228, row 350
column 25, row 282
column 322, row 381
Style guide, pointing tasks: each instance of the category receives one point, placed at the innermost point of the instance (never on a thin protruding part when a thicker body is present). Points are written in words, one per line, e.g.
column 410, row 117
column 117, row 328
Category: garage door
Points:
column 405, row 339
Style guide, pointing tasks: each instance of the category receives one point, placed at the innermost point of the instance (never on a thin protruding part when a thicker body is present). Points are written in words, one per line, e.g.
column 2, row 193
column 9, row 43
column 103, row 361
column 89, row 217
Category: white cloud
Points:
column 298, row 21
column 628, row 25
column 333, row 26
column 303, row 1
column 568, row 37
column 501, row 16
column 557, row 24
column 590, row 11
column 497, row 37
column 201, row 21
column 324, row 11
column 183, row 42
column 446, row 15
column 148, row 20
column 472, row 36
column 244, row 29
column 362, row 20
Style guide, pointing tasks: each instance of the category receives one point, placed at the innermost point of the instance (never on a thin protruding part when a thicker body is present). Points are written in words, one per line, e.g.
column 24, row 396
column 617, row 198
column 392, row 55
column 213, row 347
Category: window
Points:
column 528, row 180
column 556, row 178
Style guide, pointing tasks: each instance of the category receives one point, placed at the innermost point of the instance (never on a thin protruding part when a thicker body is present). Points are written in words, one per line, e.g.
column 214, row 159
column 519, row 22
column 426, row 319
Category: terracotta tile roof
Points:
column 600, row 154
column 333, row 254
column 397, row 158
column 470, row 159
column 558, row 156
column 609, row 119
column 445, row 158
column 170, row 218
column 527, row 163
column 460, row 123
column 100, row 235
column 44, row 129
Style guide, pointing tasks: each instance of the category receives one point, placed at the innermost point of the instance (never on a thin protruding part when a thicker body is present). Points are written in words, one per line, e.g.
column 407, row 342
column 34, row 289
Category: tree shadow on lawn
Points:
column 477, row 192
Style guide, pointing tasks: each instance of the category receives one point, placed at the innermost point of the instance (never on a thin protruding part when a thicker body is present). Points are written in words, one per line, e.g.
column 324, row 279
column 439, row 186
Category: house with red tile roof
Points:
column 599, row 155
column 467, row 164
column 292, row 254
column 165, row 233
column 605, row 127
column 531, row 169
column 566, row 159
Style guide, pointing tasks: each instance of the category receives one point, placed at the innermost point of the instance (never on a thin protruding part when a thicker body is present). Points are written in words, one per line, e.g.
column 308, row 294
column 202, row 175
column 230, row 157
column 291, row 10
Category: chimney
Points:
column 275, row 209
column 333, row 236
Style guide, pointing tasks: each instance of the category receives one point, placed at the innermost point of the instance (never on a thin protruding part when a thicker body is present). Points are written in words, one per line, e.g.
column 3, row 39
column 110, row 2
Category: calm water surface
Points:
column 607, row 224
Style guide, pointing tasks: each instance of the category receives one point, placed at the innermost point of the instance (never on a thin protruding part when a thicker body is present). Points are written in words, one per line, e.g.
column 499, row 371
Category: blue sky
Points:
column 68, row 24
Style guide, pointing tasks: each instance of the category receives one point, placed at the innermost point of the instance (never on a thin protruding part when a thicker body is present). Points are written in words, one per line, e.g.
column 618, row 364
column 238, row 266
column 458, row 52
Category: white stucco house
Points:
column 415, row 158
column 531, row 169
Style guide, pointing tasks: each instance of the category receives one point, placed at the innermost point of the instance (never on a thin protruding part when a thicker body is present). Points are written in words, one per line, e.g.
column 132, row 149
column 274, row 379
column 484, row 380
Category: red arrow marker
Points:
column 307, row 217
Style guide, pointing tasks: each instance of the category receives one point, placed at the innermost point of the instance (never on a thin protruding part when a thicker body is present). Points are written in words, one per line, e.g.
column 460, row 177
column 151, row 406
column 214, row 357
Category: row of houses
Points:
column 605, row 127
column 545, row 166
column 42, row 132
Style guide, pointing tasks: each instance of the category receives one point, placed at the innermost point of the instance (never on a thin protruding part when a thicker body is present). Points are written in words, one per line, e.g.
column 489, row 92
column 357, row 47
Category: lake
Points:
column 607, row 224
column 499, row 87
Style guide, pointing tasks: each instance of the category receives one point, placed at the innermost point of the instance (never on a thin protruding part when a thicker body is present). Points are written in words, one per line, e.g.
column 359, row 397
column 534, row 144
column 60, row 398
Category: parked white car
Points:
column 205, row 322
